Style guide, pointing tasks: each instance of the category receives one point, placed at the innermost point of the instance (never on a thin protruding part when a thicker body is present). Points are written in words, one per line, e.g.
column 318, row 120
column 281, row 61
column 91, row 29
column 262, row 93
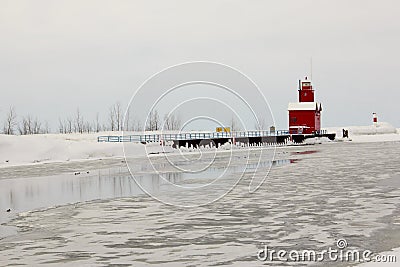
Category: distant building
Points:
column 305, row 115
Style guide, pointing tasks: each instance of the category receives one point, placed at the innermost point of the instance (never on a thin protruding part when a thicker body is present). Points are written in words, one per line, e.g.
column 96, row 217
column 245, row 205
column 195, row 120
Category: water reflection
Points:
column 26, row 194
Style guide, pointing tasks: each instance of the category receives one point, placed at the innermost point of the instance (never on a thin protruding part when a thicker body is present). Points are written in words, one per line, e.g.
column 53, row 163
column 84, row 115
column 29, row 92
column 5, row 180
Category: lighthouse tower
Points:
column 305, row 115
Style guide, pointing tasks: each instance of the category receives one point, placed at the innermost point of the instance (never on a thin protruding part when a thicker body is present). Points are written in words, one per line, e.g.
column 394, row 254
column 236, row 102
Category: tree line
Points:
column 77, row 123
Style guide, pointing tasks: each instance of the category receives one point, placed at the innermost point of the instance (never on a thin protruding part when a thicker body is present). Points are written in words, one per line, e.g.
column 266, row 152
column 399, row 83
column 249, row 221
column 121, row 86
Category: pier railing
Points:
column 145, row 138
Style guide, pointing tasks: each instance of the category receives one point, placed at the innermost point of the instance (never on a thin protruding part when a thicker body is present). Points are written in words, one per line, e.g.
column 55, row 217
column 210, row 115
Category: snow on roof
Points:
column 299, row 127
column 304, row 106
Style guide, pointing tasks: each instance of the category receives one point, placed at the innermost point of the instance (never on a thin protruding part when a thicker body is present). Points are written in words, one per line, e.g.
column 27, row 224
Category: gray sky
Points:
column 56, row 56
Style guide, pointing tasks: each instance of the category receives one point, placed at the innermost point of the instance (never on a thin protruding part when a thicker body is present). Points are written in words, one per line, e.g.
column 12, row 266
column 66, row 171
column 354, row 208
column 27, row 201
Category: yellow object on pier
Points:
column 223, row 129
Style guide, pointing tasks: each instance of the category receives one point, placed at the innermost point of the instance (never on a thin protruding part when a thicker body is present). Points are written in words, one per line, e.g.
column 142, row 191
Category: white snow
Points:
column 380, row 132
column 35, row 149
column 304, row 106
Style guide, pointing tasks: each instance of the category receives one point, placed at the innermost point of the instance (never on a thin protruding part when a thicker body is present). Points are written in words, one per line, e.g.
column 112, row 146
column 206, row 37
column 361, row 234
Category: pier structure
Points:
column 198, row 139
column 216, row 139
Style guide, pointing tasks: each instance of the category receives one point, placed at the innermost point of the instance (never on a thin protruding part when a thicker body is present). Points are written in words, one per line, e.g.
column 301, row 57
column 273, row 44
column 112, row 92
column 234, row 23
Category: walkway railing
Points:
column 186, row 136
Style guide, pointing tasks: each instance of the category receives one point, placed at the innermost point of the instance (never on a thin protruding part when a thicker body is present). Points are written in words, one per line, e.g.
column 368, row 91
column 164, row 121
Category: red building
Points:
column 305, row 116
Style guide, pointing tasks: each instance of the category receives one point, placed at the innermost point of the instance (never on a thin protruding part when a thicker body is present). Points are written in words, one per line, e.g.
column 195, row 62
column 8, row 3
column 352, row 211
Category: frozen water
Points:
column 332, row 191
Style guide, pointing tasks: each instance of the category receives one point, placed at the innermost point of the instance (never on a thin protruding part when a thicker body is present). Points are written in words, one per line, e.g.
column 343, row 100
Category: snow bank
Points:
column 379, row 128
column 381, row 132
column 31, row 149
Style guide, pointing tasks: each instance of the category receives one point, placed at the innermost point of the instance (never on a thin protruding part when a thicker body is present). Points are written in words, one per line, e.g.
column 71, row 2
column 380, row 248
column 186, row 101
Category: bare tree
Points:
column 11, row 121
column 111, row 118
column 65, row 126
column 104, row 127
column 115, row 117
column 46, row 128
column 167, row 124
column 171, row 122
column 69, row 124
column 25, row 126
column 61, row 126
column 156, row 121
column 87, row 127
column 118, row 115
column 78, row 123
column 36, row 126
column 97, row 123
column 149, row 122
column 127, row 120
column 153, row 121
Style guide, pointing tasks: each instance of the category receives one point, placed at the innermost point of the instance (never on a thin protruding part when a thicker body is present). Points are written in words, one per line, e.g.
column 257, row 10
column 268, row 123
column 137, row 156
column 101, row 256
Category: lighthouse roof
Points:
column 305, row 106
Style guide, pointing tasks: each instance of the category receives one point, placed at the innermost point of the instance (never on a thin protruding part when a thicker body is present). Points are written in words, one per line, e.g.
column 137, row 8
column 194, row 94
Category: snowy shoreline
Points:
column 50, row 148
column 84, row 147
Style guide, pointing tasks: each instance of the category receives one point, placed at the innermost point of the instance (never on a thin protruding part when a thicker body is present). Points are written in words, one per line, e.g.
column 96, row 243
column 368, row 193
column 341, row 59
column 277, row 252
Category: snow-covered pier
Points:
column 204, row 138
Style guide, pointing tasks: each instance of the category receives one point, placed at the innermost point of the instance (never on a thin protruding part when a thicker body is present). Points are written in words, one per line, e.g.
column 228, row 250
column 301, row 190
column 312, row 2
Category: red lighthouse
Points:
column 305, row 116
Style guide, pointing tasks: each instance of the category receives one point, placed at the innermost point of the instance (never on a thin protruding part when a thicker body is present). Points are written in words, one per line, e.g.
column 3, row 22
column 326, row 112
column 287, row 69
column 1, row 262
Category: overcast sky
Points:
column 56, row 56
